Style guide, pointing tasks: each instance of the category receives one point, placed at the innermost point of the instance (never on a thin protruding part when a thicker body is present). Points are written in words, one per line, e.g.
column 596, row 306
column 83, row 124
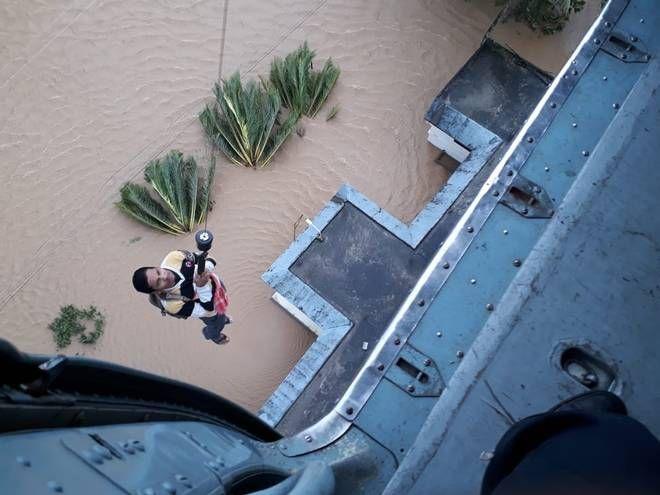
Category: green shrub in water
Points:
column 183, row 190
column 71, row 322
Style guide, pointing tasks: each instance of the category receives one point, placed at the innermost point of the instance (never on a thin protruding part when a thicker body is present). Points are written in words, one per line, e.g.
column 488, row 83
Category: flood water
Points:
column 91, row 90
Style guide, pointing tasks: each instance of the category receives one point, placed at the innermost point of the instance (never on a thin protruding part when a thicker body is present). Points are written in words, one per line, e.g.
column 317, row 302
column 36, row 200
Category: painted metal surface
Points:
column 464, row 233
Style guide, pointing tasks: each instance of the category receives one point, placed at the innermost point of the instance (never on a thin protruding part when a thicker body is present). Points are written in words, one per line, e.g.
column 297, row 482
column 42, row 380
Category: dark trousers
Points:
column 571, row 453
column 214, row 326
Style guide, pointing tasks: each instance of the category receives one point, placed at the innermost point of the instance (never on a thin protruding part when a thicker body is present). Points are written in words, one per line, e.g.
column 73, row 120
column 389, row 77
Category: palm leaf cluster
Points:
column 183, row 194
column 246, row 121
column 243, row 122
column 303, row 90
column 547, row 16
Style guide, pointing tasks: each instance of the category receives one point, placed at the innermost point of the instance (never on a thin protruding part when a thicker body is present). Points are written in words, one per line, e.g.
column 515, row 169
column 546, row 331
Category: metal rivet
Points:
column 169, row 488
column 604, row 78
column 149, row 491
column 427, row 362
column 585, row 153
column 624, row 56
column 349, row 411
column 470, row 229
column 633, row 38
column 537, row 189
column 308, row 438
column 496, row 193
column 445, row 265
column 615, row 106
column 411, row 388
column 509, row 173
column 380, row 367
column 460, row 354
column 525, row 211
column 597, row 41
column 547, row 169
column 517, row 262
column 473, row 281
column 607, row 24
column 438, row 334
column 54, row 486
column 397, row 341
column 574, row 125
column 553, row 105
column 641, row 20
column 574, row 72
column 284, row 447
column 505, row 232
column 647, row 57
column 213, row 465
column 180, row 477
column 103, row 451
column 23, row 461
column 530, row 139
column 421, row 302
column 490, row 307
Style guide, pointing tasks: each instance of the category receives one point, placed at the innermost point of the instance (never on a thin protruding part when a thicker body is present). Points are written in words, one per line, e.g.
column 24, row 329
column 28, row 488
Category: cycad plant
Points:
column 243, row 121
column 183, row 190
column 303, row 90
column 547, row 16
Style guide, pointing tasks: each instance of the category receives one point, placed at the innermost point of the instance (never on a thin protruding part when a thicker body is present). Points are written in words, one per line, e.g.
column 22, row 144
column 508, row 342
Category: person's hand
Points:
column 201, row 280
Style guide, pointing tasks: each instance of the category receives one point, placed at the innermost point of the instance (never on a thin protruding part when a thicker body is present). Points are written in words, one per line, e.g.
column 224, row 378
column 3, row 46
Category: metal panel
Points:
column 392, row 417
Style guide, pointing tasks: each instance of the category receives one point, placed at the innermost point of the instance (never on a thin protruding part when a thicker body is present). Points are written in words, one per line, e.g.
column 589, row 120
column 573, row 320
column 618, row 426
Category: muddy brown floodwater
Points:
column 90, row 90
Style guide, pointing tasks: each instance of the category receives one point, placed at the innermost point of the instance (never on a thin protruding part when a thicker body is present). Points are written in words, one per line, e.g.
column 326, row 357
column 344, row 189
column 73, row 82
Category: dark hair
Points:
column 140, row 280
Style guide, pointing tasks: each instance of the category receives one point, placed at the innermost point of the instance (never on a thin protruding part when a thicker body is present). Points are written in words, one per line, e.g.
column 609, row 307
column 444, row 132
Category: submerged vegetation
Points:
column 243, row 122
column 547, row 16
column 247, row 122
column 183, row 190
column 303, row 90
column 71, row 323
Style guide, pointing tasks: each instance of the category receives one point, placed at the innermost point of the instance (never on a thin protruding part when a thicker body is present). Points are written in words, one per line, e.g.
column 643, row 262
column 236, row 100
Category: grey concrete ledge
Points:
column 328, row 323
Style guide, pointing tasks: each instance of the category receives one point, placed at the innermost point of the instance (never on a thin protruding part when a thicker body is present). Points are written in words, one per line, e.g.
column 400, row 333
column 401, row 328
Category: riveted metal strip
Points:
column 337, row 422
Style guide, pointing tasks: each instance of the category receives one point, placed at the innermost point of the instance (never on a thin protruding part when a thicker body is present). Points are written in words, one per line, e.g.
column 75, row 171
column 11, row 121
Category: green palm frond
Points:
column 302, row 89
column 242, row 122
column 182, row 188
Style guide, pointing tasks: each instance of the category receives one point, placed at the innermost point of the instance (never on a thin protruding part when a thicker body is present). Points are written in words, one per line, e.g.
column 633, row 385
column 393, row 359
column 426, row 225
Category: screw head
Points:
column 641, row 21
column 496, row 193
column 509, row 173
column 525, row 211
column 460, row 354
column 633, row 38
column 473, row 281
column 438, row 334
column 547, row 169
column 574, row 125
column 585, row 153
column 349, row 411
column 427, row 362
column 597, row 41
column 604, row 78
column 445, row 265
column 505, row 232
column 23, row 461
column 470, row 229
column 624, row 56
column 517, row 262
column 574, row 72
column 410, row 388
column 530, row 139
column 397, row 341
column 615, row 106
column 608, row 24
column 380, row 367
column 421, row 303
column 54, row 486
column 308, row 438
column 169, row 488
column 490, row 307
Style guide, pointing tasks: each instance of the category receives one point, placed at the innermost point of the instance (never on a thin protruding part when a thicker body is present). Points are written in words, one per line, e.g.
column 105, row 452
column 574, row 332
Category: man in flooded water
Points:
column 178, row 290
